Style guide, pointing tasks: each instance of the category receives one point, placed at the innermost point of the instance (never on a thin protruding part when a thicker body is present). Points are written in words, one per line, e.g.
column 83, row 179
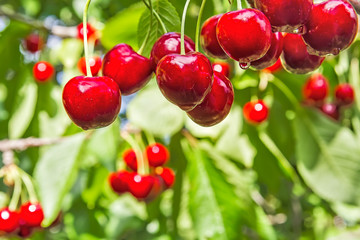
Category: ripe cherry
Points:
column 167, row 44
column 43, row 71
column 295, row 58
column 130, row 70
column 156, row 189
column 167, row 174
column 94, row 62
column 24, row 232
column 92, row 102
column 274, row 68
column 31, row 214
column 34, row 43
column 129, row 157
column 272, row 55
column 255, row 112
column 316, row 88
column 331, row 110
column 90, row 29
column 332, row 27
column 9, row 220
column 217, row 103
column 119, row 181
column 157, row 154
column 344, row 94
column 140, row 186
column 184, row 80
column 222, row 67
column 208, row 38
column 285, row 15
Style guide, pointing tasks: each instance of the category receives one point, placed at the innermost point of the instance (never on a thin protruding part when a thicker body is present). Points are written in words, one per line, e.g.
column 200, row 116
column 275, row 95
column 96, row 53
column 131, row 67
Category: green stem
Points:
column 29, row 186
column 149, row 30
column 149, row 137
column 86, row 46
column 239, row 5
column 197, row 35
column 157, row 17
column 139, row 156
column 287, row 92
column 142, row 146
column 182, row 52
column 17, row 191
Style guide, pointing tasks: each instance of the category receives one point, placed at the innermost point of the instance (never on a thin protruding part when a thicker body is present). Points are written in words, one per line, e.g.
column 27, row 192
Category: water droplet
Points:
column 244, row 66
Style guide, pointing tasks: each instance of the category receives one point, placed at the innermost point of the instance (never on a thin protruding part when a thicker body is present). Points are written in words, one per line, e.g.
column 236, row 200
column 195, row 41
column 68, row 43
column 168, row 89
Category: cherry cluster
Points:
column 145, row 187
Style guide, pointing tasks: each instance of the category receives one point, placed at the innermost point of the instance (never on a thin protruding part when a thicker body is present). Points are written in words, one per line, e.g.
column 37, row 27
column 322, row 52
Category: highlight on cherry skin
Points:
column 43, row 71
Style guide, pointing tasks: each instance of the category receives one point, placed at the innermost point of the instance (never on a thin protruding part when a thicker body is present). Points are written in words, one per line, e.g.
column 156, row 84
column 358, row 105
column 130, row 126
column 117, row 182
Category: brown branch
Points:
column 22, row 144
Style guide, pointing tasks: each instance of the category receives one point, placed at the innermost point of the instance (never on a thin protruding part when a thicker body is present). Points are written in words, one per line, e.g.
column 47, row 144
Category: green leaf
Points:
column 55, row 174
column 169, row 17
column 152, row 112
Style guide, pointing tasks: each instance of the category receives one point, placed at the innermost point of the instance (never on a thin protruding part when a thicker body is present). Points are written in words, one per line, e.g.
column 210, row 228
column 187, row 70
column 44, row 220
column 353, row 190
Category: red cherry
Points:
column 255, row 112
column 217, row 103
column 245, row 35
column 316, row 88
column 167, row 174
column 43, row 71
column 208, row 38
column 90, row 29
column 331, row 110
column 274, row 68
column 140, row 186
column 24, row 232
column 92, row 102
column 167, row 44
column 184, row 80
column 94, row 62
column 285, row 15
column 34, row 42
column 222, row 67
column 295, row 58
column 344, row 94
column 156, row 189
column 129, row 157
column 272, row 55
column 31, row 214
column 9, row 220
column 130, row 70
column 157, row 154
column 119, row 181
column 332, row 27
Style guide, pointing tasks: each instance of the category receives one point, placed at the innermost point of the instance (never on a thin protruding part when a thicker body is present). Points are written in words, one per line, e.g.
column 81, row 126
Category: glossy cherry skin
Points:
column 255, row 112
column 167, row 175
column 90, row 29
column 316, row 88
column 184, row 80
column 217, row 103
column 140, row 186
column 167, row 44
column 9, row 220
column 94, row 62
column 129, row 157
column 274, row 68
column 130, row 70
column 272, row 55
column 344, row 94
column 31, row 214
column 208, row 38
column 245, row 35
column 222, row 67
column 296, row 58
column 34, row 43
column 330, row 110
column 119, row 181
column 43, row 71
column 332, row 27
column 92, row 102
column 157, row 154
column 285, row 15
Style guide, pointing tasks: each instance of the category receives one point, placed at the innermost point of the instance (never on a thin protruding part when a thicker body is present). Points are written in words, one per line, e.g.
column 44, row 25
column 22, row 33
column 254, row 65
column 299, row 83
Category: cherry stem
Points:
column 17, row 190
column 85, row 33
column 157, row 17
column 149, row 30
column 29, row 186
column 135, row 146
column 286, row 91
column 142, row 146
column 197, row 36
column 182, row 52
column 149, row 137
column 239, row 5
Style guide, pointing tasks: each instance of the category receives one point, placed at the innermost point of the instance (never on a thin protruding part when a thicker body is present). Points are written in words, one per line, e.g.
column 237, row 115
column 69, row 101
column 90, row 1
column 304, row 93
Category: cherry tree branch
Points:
column 8, row 145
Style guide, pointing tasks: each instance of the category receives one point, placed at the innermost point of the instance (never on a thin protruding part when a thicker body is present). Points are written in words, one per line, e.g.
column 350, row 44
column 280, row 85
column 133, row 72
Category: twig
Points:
column 22, row 144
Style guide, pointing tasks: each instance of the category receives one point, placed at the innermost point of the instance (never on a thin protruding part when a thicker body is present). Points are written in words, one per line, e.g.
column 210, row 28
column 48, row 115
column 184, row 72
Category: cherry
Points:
column 217, row 103
column 119, row 181
column 222, row 67
column 344, row 94
column 43, row 71
column 255, row 112
column 94, row 62
column 157, row 154
column 272, row 55
column 169, row 43
column 91, row 31
column 34, row 43
column 274, row 68
column 9, row 220
column 316, row 88
column 208, row 38
column 332, row 27
column 31, row 214
column 130, row 70
column 24, row 232
column 330, row 110
column 92, row 102
column 295, row 58
column 129, row 157
column 184, row 80
column 285, row 15
column 245, row 35
column 167, row 175
column 140, row 186
column 156, row 189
